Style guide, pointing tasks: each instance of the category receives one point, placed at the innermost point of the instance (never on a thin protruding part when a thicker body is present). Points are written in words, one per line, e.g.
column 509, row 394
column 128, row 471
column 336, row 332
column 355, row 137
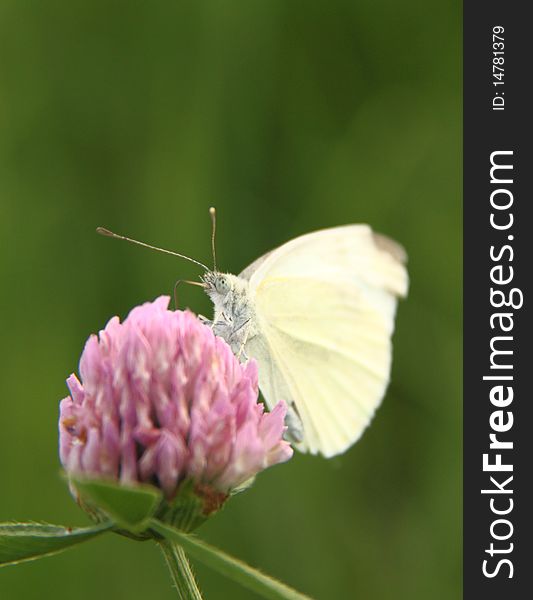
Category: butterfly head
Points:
column 218, row 285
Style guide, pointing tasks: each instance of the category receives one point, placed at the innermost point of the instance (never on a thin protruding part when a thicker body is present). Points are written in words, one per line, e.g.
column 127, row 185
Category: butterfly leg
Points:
column 241, row 349
column 245, row 332
column 176, row 305
column 295, row 427
column 205, row 321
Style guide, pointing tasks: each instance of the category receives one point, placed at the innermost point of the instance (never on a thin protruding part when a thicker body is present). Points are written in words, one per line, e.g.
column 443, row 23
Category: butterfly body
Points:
column 235, row 321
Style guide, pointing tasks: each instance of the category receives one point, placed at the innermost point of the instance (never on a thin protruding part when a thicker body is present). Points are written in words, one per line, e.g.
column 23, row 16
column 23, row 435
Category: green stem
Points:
column 180, row 571
column 226, row 565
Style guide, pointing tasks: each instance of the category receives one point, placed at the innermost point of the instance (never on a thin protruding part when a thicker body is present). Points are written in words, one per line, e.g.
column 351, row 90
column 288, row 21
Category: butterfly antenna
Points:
column 213, row 214
column 106, row 232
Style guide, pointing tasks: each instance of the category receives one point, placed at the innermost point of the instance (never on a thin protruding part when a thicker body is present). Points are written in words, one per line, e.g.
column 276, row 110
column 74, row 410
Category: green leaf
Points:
column 228, row 566
column 129, row 507
column 27, row 541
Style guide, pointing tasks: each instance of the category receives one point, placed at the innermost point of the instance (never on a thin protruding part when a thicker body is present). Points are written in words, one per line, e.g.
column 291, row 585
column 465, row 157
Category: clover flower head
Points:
column 162, row 400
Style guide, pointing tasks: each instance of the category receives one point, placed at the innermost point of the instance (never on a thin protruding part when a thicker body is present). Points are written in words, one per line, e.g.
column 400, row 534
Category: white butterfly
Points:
column 317, row 314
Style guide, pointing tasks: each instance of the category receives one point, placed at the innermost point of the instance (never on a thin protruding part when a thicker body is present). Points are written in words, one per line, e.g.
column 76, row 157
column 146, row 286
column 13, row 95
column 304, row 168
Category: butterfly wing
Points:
column 325, row 305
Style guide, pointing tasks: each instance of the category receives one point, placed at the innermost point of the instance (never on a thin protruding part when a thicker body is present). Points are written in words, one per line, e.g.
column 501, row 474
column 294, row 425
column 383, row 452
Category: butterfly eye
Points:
column 222, row 285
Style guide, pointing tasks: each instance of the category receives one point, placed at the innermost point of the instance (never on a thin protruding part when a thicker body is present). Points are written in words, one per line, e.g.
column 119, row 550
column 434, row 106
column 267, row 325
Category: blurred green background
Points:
column 288, row 116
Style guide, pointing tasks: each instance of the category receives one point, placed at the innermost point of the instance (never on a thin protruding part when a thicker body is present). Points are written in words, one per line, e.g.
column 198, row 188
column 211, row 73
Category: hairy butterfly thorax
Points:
column 234, row 317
